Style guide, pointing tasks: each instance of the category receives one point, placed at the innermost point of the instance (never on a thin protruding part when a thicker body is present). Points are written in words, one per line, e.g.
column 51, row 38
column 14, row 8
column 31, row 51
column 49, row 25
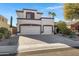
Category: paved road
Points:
column 59, row 52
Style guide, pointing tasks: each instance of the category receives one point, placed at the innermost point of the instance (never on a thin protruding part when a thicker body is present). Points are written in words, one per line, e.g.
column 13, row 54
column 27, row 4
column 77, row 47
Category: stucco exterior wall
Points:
column 17, row 27
column 22, row 21
column 47, row 22
column 4, row 23
column 37, row 16
column 20, row 14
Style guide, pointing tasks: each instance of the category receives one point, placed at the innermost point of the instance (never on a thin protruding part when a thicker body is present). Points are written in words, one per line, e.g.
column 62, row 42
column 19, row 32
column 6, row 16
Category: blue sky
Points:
column 9, row 9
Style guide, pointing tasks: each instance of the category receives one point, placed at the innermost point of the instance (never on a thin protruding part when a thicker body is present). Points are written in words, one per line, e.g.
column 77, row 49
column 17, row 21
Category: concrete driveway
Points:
column 42, row 42
column 35, row 39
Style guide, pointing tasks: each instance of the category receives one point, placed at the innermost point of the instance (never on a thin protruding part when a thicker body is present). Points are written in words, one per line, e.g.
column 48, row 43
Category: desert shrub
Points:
column 4, row 32
column 1, row 35
column 72, row 34
column 67, row 31
column 63, row 28
column 7, row 35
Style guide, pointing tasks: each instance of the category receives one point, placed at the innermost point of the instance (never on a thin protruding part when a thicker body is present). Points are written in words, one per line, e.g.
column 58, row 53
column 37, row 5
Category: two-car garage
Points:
column 35, row 29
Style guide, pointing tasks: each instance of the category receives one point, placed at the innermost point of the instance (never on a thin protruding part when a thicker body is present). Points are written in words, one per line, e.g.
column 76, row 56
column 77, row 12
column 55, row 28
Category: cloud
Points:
column 56, row 7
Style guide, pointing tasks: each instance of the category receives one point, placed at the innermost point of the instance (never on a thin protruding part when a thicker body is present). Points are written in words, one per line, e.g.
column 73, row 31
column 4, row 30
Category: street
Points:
column 59, row 52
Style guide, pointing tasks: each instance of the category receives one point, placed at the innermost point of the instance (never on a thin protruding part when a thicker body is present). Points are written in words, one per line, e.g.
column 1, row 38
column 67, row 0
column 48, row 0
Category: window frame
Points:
column 32, row 15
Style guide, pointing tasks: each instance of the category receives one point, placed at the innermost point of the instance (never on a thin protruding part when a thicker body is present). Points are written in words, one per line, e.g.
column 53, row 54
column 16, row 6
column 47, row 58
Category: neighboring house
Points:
column 14, row 30
column 31, row 22
column 69, row 23
column 75, row 27
column 4, row 22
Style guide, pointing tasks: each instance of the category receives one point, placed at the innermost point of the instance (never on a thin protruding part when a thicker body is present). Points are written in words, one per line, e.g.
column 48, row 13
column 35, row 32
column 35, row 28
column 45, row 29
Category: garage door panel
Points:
column 30, row 30
column 48, row 29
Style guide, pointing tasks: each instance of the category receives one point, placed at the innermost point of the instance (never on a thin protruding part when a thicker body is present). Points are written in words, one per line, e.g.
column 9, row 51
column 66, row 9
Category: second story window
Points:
column 29, row 15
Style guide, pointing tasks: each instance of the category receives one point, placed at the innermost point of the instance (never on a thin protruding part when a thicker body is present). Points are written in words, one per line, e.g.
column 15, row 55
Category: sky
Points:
column 9, row 9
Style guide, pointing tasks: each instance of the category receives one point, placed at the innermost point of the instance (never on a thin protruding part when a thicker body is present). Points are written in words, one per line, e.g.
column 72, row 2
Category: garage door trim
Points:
column 47, row 25
column 28, row 25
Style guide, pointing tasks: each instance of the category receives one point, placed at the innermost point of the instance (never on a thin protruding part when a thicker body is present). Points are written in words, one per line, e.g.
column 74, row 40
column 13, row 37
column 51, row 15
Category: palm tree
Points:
column 53, row 14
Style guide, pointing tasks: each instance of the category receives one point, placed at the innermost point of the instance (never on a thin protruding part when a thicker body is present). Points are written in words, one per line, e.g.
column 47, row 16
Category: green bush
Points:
column 72, row 34
column 4, row 33
column 7, row 35
column 63, row 28
column 66, row 32
column 1, row 35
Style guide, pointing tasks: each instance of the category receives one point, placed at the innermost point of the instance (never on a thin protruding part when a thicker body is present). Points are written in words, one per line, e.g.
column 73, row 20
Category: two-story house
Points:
column 31, row 22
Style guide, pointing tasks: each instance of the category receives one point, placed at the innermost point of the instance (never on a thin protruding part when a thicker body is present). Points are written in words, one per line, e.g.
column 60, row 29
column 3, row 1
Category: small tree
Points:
column 4, row 33
column 63, row 28
column 71, row 11
column 1, row 35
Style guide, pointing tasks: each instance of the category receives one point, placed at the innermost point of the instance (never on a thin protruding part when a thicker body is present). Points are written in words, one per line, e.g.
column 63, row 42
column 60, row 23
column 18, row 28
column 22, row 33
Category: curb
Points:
column 42, row 47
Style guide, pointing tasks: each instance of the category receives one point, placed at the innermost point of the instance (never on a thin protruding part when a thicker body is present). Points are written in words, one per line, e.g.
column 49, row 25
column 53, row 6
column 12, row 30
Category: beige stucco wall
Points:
column 4, row 23
column 20, row 15
column 23, row 14
column 47, row 22
column 22, row 21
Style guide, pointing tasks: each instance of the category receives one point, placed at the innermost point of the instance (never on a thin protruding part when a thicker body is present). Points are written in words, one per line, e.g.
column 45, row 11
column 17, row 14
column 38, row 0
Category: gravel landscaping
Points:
column 10, row 41
column 75, row 38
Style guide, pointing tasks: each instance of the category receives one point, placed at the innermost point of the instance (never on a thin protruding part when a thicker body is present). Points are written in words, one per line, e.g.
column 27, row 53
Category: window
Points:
column 29, row 15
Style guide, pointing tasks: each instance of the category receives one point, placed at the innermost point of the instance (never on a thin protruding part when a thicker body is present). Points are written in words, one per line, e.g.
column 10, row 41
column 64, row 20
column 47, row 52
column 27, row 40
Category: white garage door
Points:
column 47, row 29
column 30, row 30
